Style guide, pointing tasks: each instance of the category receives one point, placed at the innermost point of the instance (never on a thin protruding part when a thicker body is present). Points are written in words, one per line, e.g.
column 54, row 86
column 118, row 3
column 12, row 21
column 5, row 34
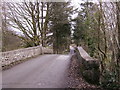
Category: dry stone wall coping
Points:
column 24, row 53
column 89, row 67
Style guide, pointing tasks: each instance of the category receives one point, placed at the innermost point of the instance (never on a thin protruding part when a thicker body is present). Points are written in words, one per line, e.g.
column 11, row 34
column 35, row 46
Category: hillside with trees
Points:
column 10, row 41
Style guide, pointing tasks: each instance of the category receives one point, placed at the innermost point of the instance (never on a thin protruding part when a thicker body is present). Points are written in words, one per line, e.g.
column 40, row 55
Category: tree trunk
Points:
column 42, row 29
column 118, row 27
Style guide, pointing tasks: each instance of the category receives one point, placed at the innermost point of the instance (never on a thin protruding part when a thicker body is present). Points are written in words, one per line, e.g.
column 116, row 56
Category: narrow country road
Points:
column 45, row 71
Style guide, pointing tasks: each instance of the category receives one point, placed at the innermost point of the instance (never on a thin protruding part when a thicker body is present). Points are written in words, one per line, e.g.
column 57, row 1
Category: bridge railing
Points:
column 89, row 67
column 17, row 56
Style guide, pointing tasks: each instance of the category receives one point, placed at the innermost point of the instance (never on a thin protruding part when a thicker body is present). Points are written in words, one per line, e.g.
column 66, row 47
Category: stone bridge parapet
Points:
column 17, row 56
column 89, row 67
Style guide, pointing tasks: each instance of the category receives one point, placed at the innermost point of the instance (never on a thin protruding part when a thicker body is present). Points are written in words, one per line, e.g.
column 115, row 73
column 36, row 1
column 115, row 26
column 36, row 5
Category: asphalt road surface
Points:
column 46, row 71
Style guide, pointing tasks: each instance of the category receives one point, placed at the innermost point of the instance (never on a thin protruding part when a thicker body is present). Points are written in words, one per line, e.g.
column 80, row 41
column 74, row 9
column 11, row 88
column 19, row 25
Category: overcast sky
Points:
column 74, row 3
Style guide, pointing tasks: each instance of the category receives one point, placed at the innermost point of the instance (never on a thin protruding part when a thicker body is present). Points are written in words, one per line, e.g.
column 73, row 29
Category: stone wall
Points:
column 47, row 50
column 22, row 54
column 89, row 67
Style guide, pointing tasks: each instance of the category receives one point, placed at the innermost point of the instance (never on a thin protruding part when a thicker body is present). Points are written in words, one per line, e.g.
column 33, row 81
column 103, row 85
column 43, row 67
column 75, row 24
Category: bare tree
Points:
column 118, row 27
column 28, row 17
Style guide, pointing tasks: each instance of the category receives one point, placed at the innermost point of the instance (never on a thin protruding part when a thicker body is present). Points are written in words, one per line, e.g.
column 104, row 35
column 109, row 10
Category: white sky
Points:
column 63, row 0
column 75, row 3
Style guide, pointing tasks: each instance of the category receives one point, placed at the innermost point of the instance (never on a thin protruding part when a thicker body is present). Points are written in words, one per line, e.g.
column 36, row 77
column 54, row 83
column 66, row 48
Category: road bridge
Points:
column 46, row 70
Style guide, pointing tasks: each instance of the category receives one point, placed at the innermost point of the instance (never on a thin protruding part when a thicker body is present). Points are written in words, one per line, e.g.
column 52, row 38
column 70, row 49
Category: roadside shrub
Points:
column 108, row 81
